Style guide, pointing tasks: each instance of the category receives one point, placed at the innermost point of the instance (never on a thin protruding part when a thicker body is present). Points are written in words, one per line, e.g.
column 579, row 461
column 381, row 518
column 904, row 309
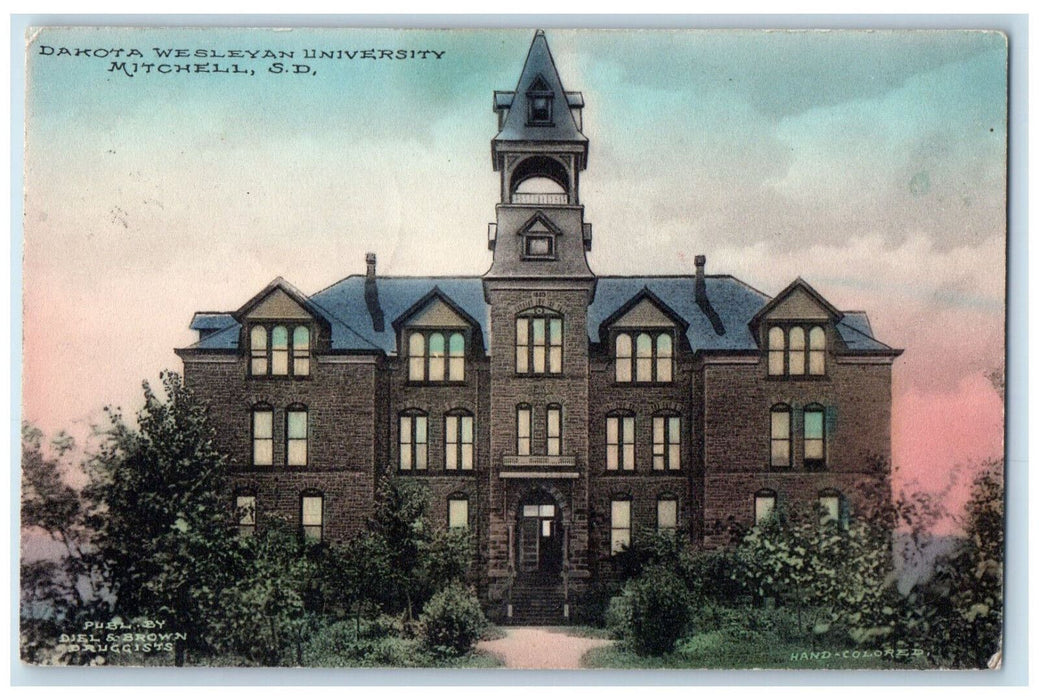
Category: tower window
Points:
column 523, row 430
column 554, row 430
column 539, row 103
column 539, row 342
column 538, row 246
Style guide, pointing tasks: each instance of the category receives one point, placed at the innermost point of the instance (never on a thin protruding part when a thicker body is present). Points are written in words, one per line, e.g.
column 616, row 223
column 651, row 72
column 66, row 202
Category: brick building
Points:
column 551, row 411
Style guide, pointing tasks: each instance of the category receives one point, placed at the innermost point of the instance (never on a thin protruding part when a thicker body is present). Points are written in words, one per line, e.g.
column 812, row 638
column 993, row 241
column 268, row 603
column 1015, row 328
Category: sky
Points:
column 872, row 164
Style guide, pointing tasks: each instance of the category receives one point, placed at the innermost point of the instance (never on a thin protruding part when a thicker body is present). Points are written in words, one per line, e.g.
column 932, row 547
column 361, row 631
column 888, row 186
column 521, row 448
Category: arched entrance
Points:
column 539, row 528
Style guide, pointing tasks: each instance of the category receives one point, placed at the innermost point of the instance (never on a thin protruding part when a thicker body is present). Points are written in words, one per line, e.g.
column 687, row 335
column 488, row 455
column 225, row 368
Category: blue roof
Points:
column 210, row 321
column 344, row 307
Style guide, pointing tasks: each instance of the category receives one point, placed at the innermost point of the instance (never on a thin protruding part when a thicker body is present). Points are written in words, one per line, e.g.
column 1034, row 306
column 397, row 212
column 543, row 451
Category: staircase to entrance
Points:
column 538, row 599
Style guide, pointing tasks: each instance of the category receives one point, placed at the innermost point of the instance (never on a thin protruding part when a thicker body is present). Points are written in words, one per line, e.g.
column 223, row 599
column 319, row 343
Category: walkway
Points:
column 540, row 647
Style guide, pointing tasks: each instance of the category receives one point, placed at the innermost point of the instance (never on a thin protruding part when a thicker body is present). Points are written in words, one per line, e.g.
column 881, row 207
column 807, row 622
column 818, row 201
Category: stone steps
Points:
column 537, row 602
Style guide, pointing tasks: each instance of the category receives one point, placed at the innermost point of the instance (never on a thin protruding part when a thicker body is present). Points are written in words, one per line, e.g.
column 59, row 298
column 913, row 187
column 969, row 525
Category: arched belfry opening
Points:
column 541, row 180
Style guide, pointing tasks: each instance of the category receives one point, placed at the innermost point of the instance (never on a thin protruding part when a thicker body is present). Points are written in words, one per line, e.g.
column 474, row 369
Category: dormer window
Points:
column 436, row 356
column 643, row 357
column 796, row 351
column 538, row 246
column 273, row 352
column 539, row 103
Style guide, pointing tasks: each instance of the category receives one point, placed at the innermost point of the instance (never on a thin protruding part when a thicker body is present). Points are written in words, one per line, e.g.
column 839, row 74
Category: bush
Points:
column 653, row 611
column 452, row 621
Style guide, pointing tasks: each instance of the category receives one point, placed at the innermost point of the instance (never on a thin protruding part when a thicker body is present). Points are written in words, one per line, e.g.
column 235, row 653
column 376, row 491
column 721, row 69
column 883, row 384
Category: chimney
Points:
column 371, row 294
column 701, row 296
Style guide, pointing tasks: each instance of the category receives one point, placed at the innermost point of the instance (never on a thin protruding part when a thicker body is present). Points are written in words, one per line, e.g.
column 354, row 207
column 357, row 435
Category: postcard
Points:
column 513, row 348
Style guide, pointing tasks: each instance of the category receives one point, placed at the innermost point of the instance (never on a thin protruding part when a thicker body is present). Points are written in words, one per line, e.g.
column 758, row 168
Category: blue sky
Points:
column 870, row 163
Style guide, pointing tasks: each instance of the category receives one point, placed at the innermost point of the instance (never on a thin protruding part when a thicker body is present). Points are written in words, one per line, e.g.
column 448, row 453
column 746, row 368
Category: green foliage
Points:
column 452, row 621
column 159, row 509
column 653, row 612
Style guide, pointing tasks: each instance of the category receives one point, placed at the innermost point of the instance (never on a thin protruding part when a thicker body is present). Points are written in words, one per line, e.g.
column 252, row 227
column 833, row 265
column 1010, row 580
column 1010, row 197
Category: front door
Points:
column 541, row 539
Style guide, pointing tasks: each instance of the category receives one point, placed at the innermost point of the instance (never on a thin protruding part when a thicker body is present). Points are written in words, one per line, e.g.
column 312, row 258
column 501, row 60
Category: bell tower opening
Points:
column 540, row 180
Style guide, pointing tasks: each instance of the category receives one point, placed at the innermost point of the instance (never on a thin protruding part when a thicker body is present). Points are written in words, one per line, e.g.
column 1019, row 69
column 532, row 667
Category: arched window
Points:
column 620, row 441
column 279, row 351
column 622, row 349
column 312, row 515
column 296, row 433
column 764, row 506
column 643, row 358
column 815, row 436
column 417, row 357
column 664, row 358
column 667, row 442
column 245, row 512
column 780, row 436
column 523, row 429
column 776, row 350
column 456, row 358
column 414, row 440
column 816, row 351
column 271, row 353
column 263, row 435
column 258, row 351
column 553, row 429
column 458, row 440
column 436, row 357
column 796, row 354
column 667, row 514
column 539, row 342
column 301, row 351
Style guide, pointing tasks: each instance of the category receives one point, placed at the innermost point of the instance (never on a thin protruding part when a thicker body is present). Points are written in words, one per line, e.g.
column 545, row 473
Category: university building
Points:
column 551, row 411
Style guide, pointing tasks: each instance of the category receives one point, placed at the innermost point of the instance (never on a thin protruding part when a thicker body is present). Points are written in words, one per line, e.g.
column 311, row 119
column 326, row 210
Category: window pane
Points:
column 555, row 331
column 667, row 514
column 258, row 338
column 674, row 457
column 555, row 359
column 797, row 355
column 458, row 513
column 674, row 430
column 539, row 360
column 420, row 455
column 259, row 365
column 263, row 438
column 813, row 425
column 553, row 422
column 263, row 424
column 658, row 430
column 629, row 429
column 297, row 424
column 764, row 507
column 467, row 455
column 623, row 358
column 620, row 514
column 629, row 456
column 530, row 511
column 420, row 429
column 538, row 327
column 436, row 357
column 663, row 369
column 523, row 422
column 611, row 456
column 467, row 429
column 797, row 338
column 312, row 510
column 547, row 511
column 775, row 362
column 405, row 455
column 521, row 331
column 301, row 338
column 451, row 442
column 644, row 358
column 817, row 338
column 776, row 339
column 612, row 431
column 416, row 357
column 780, row 424
column 456, row 369
column 297, row 453
column 781, row 453
column 280, row 350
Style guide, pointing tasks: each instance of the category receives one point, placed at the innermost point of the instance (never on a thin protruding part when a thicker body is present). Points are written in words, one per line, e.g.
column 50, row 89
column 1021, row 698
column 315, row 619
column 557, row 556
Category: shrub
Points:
column 452, row 621
column 653, row 612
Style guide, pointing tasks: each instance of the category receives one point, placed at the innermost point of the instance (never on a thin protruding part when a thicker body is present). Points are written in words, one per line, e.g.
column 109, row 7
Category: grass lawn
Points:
column 721, row 650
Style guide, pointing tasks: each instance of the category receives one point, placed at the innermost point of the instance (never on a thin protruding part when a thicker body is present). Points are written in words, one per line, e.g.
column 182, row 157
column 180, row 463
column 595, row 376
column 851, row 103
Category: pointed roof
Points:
column 539, row 75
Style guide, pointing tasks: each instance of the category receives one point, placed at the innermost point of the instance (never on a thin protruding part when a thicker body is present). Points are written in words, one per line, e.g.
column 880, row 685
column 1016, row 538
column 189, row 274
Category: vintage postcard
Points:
column 513, row 348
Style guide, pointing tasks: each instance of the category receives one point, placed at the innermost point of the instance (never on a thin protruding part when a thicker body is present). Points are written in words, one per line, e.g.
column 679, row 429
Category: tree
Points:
column 160, row 510
column 60, row 589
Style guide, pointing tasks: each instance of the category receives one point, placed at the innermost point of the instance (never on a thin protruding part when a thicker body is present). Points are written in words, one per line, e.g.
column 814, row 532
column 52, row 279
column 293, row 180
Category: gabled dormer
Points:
column 281, row 329
column 797, row 330
column 642, row 337
column 436, row 336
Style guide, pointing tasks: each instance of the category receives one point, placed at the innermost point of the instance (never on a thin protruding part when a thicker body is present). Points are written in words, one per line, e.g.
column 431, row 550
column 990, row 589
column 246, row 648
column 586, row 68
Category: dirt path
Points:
column 541, row 647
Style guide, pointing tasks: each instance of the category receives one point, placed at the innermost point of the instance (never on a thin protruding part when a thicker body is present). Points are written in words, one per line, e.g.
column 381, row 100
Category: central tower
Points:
column 539, row 287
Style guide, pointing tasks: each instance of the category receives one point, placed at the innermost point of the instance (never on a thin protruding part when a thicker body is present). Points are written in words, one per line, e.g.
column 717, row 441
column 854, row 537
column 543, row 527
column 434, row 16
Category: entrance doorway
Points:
column 540, row 535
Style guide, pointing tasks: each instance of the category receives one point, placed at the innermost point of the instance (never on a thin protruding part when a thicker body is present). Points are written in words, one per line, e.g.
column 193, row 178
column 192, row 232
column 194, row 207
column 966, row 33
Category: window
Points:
column 554, row 429
column 271, row 353
column 458, row 441
column 296, row 436
column 791, row 353
column 776, row 350
column 830, row 507
column 652, row 361
column 436, row 357
column 312, row 516
column 780, row 455
column 245, row 514
column 538, row 246
column 263, row 436
column 539, row 342
column 816, row 351
column 764, row 506
column 523, row 429
column 413, row 441
column 667, row 514
column 815, row 436
column 539, row 103
column 620, row 442
column 458, row 513
column 620, row 525
column 667, row 443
